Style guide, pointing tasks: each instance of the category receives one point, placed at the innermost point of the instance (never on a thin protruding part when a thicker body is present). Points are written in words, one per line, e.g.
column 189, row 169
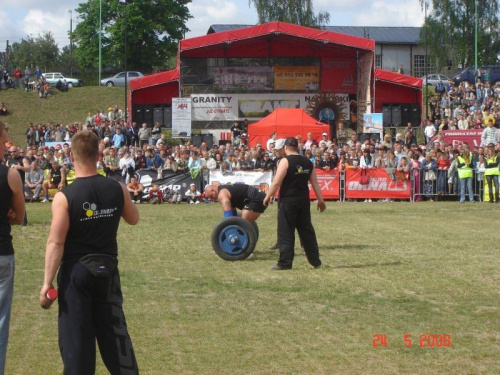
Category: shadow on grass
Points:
column 351, row 246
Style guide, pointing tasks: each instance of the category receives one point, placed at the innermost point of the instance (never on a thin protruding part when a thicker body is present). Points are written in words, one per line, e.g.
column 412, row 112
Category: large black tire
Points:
column 256, row 229
column 239, row 230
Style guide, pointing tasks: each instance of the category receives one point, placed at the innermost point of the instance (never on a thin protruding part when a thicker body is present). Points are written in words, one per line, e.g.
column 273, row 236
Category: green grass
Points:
column 25, row 107
column 388, row 268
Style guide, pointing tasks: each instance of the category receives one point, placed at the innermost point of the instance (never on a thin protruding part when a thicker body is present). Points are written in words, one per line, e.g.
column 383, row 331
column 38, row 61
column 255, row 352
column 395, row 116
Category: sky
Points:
column 21, row 18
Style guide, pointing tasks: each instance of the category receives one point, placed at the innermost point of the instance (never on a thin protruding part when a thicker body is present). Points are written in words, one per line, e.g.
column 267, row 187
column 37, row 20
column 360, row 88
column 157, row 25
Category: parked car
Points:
column 119, row 79
column 489, row 73
column 53, row 78
column 433, row 79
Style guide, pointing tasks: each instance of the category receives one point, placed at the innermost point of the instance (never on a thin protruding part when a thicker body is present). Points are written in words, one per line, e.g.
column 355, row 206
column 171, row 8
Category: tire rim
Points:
column 233, row 240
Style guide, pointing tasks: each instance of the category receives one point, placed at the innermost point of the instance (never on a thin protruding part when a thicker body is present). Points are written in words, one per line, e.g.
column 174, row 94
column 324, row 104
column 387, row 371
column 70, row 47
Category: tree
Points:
column 154, row 28
column 299, row 12
column 450, row 27
column 40, row 51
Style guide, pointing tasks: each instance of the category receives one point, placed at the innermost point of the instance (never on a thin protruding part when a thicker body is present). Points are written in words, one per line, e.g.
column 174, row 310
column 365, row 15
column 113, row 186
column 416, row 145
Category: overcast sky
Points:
column 19, row 18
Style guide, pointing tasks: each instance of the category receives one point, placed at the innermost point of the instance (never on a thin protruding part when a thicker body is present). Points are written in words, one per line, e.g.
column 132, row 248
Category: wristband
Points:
column 228, row 214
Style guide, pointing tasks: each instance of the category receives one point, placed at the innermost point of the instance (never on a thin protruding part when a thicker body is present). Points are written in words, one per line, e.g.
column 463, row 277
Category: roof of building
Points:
column 381, row 34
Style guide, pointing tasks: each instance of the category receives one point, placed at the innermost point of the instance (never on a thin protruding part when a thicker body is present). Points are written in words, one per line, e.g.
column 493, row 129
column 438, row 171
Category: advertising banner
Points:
column 247, row 77
column 181, row 117
column 329, row 182
column 169, row 180
column 338, row 75
column 363, row 88
column 458, row 137
column 259, row 180
column 231, row 107
column 381, row 185
column 372, row 123
column 296, row 78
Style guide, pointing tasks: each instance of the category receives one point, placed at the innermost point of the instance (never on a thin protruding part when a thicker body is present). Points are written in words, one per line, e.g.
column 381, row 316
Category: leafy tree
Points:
column 153, row 29
column 450, row 26
column 40, row 51
column 299, row 12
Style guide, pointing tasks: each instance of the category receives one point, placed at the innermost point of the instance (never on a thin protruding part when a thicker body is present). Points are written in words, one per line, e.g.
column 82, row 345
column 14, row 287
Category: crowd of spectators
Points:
column 126, row 148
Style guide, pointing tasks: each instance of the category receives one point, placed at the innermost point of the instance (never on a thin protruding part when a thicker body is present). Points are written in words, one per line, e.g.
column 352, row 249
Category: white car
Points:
column 433, row 79
column 53, row 78
column 119, row 79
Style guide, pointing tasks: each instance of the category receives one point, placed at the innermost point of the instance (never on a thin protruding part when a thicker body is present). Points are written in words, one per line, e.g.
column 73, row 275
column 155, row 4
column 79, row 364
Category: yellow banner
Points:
column 296, row 78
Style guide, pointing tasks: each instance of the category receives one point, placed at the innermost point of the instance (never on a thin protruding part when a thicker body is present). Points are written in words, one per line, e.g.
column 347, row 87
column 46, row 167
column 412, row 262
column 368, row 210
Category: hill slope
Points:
column 25, row 107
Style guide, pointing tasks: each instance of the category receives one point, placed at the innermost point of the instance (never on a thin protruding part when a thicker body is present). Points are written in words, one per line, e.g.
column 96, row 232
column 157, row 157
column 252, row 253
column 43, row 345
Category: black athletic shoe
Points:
column 279, row 268
column 274, row 247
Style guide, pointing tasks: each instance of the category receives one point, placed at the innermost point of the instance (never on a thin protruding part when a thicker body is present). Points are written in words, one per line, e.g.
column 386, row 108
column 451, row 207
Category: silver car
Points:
column 433, row 79
column 119, row 79
column 53, row 78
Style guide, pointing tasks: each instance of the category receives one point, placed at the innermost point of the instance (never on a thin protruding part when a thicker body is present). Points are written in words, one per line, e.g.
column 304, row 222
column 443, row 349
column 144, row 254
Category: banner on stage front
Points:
column 381, row 185
column 296, row 78
column 259, row 180
column 329, row 184
column 250, row 78
column 181, row 117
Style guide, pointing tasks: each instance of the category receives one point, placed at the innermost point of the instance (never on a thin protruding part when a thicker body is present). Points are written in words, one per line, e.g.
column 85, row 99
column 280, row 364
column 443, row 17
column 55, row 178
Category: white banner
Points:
column 181, row 117
column 232, row 107
column 259, row 180
column 250, row 77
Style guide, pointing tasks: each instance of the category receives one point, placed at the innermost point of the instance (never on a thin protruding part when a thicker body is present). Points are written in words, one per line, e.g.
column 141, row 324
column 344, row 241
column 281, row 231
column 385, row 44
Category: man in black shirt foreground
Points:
column 82, row 244
column 241, row 196
column 292, row 177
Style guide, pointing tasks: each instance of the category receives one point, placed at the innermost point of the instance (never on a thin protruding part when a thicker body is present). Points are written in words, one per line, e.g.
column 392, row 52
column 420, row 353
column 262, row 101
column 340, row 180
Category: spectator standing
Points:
column 492, row 173
column 144, row 134
column 155, row 133
column 488, row 134
column 11, row 212
column 429, row 131
column 22, row 165
column 27, row 73
column 443, row 164
column 38, row 73
column 18, row 75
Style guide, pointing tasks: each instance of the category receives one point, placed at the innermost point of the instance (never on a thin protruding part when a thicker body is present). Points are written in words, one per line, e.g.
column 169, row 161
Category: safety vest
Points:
column 491, row 166
column 465, row 171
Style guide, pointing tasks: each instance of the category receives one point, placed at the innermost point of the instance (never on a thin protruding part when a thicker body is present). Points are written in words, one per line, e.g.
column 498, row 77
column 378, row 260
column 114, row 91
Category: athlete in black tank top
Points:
column 294, row 212
column 85, row 219
column 238, row 196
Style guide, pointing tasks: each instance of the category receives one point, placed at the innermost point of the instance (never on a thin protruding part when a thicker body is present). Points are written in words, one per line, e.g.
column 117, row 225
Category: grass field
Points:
column 25, row 107
column 388, row 269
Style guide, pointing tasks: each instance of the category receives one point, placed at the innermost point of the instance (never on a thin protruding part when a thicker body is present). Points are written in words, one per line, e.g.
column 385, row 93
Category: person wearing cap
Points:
column 292, row 177
column 238, row 196
column 193, row 195
column 324, row 138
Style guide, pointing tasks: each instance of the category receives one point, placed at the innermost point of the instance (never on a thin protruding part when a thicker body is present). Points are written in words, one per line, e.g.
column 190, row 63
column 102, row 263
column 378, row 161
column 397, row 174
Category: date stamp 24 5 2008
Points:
column 424, row 341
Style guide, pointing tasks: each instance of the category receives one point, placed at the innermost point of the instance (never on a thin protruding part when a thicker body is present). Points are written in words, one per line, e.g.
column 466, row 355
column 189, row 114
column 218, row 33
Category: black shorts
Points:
column 254, row 202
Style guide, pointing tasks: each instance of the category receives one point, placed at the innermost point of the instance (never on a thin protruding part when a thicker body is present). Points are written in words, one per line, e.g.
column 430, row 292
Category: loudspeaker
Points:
column 167, row 117
column 386, row 114
column 209, row 139
column 196, row 139
column 362, row 137
column 158, row 115
column 405, row 114
column 396, row 115
column 415, row 115
column 138, row 114
column 148, row 115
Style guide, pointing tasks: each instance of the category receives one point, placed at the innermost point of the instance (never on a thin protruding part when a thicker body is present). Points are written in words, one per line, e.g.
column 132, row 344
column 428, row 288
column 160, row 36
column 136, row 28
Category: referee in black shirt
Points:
column 292, row 177
column 82, row 245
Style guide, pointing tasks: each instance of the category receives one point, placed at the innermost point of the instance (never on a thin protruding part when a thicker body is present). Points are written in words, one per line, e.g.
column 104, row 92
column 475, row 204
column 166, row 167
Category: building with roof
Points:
column 393, row 45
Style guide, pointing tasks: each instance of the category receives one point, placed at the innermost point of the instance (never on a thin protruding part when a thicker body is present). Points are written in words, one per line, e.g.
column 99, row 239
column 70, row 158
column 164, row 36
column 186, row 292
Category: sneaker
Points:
column 274, row 247
column 197, row 202
column 279, row 268
column 45, row 200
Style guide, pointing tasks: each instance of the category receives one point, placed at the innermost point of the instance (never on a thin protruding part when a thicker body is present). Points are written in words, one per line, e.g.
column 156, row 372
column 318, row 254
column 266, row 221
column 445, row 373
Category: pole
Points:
column 100, row 41
column 126, row 73
column 425, row 65
column 71, row 41
column 475, row 35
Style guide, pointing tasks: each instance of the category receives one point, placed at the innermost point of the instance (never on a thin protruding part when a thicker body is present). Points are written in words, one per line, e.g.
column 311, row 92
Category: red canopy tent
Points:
column 395, row 88
column 155, row 88
column 286, row 122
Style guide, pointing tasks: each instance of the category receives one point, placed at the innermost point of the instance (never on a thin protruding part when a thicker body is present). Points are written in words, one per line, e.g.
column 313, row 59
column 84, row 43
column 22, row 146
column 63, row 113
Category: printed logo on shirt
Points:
column 92, row 212
column 301, row 170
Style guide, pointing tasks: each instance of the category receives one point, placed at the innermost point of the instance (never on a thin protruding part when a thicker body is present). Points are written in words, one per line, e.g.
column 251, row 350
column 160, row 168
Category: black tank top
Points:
column 56, row 175
column 239, row 194
column 95, row 206
column 5, row 202
column 295, row 183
